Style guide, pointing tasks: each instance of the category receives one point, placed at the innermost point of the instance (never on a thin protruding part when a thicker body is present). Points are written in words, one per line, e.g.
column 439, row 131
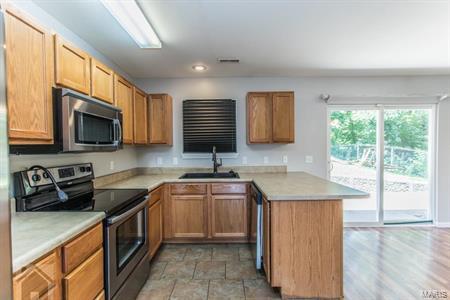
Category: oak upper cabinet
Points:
column 102, row 81
column 259, row 114
column 270, row 117
column 140, row 116
column 29, row 70
column 160, row 119
column 189, row 216
column 123, row 99
column 72, row 66
column 229, row 216
column 283, row 117
column 155, row 221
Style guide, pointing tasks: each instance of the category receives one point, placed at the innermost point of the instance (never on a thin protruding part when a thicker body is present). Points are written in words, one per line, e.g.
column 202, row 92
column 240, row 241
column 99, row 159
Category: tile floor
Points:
column 211, row 271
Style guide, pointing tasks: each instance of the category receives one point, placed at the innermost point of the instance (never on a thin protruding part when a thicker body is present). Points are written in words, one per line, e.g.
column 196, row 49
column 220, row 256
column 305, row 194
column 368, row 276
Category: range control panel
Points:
column 38, row 177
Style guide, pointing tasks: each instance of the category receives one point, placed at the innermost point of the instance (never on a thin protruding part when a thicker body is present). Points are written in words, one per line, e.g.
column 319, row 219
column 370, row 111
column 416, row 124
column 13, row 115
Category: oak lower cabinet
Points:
column 29, row 78
column 155, row 221
column 160, row 119
column 266, row 239
column 72, row 271
column 207, row 211
column 72, row 66
column 123, row 99
column 189, row 216
column 270, row 117
column 229, row 216
column 140, row 116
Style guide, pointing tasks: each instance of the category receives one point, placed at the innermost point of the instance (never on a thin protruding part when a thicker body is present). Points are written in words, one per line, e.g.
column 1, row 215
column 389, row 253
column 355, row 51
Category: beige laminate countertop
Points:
column 33, row 234
column 274, row 186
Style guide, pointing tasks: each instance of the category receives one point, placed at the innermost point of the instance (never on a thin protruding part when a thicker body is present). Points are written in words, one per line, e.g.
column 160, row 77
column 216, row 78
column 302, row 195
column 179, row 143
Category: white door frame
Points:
column 380, row 155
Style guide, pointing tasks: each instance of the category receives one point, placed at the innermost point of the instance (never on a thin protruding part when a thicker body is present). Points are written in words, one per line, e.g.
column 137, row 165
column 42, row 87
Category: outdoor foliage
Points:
column 353, row 138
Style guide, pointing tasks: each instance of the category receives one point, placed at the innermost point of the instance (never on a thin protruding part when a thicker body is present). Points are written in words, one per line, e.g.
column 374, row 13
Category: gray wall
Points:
column 311, row 119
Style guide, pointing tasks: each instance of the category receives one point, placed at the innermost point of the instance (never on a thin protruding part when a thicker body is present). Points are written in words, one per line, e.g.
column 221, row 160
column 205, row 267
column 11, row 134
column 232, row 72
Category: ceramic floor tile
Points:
column 190, row 289
column 225, row 254
column 179, row 270
column 245, row 253
column 259, row 289
column 171, row 254
column 226, row 289
column 241, row 270
column 157, row 269
column 198, row 254
column 210, row 270
column 156, row 290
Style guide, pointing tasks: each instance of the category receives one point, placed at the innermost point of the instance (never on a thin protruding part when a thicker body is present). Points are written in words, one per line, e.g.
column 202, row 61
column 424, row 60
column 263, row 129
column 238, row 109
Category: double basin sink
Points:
column 230, row 174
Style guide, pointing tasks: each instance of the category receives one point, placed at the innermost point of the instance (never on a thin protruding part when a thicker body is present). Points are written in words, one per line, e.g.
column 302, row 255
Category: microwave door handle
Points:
column 119, row 128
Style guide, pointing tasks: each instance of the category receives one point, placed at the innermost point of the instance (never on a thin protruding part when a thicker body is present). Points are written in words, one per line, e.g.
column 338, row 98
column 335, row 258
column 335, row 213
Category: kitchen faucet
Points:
column 214, row 159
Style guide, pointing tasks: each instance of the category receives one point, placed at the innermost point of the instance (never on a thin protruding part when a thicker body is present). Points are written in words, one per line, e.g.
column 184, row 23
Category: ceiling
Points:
column 272, row 38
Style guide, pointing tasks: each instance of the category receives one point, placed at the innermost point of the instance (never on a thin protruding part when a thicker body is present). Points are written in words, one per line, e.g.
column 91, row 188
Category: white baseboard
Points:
column 443, row 224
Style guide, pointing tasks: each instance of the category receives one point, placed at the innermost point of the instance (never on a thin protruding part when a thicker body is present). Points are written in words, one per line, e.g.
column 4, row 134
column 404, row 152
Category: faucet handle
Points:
column 220, row 162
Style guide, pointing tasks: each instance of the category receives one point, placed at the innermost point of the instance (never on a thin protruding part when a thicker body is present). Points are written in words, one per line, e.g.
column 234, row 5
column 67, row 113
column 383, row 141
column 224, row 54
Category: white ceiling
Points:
column 272, row 38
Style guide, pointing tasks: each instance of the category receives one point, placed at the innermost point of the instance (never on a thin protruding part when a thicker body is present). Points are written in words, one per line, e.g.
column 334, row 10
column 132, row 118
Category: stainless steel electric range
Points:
column 71, row 188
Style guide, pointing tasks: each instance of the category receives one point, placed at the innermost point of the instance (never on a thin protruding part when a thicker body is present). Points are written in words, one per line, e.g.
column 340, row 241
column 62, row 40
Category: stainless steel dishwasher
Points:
column 256, row 226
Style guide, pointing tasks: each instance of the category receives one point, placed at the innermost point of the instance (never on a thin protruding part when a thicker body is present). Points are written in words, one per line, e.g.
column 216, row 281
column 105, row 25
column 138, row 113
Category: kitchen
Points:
column 200, row 181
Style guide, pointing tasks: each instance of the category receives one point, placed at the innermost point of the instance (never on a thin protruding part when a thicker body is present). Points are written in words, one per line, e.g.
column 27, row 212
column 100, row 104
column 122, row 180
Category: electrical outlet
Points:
column 285, row 159
column 159, row 160
column 175, row 160
column 309, row 159
column 266, row 160
column 111, row 165
column 244, row 160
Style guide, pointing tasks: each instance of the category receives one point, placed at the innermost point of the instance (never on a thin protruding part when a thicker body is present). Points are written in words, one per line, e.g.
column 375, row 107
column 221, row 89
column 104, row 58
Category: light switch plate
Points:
column 111, row 165
column 266, row 160
column 285, row 159
column 244, row 160
column 309, row 159
column 175, row 160
column 159, row 160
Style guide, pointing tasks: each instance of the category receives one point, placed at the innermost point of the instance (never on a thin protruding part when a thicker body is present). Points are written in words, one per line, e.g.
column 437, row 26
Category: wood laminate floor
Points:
column 379, row 263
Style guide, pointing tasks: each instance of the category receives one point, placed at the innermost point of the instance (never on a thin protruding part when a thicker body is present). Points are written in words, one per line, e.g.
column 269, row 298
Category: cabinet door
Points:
column 41, row 279
column 259, row 116
column 155, row 227
column 123, row 99
column 140, row 117
column 283, row 122
column 160, row 119
column 29, row 70
column 229, row 216
column 266, row 239
column 86, row 281
column 102, row 81
column 189, row 216
column 72, row 66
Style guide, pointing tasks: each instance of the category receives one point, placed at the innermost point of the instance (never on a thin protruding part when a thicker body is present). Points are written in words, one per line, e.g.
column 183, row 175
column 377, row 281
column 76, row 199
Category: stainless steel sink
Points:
column 230, row 174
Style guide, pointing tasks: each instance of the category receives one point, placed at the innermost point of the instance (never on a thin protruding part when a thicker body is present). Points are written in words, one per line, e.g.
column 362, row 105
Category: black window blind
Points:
column 208, row 123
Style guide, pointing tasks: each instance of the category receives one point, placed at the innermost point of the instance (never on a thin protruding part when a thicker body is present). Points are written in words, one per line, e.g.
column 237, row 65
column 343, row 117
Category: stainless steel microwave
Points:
column 81, row 124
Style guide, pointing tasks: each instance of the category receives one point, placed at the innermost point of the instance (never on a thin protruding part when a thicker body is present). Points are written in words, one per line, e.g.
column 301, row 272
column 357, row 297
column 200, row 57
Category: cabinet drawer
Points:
column 188, row 189
column 34, row 282
column 155, row 196
column 228, row 188
column 86, row 281
column 81, row 248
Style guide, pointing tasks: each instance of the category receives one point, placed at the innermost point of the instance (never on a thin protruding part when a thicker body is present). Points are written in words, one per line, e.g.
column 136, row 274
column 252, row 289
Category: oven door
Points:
column 89, row 125
column 126, row 245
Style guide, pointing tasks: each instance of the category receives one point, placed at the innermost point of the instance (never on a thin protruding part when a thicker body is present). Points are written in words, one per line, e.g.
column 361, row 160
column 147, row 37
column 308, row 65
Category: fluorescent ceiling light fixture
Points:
column 132, row 19
column 199, row 68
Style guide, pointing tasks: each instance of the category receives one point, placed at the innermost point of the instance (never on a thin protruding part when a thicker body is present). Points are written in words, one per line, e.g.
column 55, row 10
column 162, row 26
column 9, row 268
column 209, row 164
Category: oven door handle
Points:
column 128, row 213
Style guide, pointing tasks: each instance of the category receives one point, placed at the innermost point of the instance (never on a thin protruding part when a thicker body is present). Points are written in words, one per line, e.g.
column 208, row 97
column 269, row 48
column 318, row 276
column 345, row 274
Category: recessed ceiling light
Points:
column 199, row 68
column 131, row 18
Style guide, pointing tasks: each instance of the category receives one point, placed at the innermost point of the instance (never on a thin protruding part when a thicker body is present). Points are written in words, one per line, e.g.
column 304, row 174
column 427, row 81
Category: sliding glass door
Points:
column 385, row 151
